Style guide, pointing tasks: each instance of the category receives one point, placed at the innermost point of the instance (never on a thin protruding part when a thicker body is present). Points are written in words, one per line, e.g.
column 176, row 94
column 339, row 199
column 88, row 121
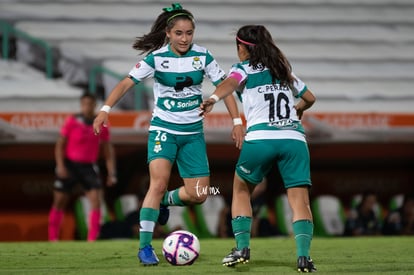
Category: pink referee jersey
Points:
column 82, row 145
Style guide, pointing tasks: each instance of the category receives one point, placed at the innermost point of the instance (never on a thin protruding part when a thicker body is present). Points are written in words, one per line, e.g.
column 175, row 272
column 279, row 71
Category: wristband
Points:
column 106, row 108
column 215, row 97
column 237, row 121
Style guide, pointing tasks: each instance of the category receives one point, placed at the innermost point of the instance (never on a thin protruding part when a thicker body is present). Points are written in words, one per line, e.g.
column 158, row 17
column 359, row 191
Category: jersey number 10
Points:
column 282, row 101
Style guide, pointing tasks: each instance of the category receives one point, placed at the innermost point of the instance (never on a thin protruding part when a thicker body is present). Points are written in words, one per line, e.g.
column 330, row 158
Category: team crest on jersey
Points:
column 197, row 64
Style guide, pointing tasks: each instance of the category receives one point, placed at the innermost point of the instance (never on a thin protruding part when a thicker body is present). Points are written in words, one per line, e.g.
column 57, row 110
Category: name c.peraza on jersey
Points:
column 272, row 88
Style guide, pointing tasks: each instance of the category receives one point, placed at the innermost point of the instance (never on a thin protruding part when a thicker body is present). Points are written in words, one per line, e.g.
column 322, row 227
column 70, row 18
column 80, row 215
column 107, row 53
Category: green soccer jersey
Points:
column 268, row 107
column 177, row 86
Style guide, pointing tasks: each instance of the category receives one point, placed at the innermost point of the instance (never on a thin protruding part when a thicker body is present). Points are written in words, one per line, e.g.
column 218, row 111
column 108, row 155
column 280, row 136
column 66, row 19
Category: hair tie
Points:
column 245, row 42
column 176, row 7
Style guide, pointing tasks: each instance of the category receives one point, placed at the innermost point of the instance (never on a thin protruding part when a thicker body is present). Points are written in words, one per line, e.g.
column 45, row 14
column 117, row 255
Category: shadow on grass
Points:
column 262, row 265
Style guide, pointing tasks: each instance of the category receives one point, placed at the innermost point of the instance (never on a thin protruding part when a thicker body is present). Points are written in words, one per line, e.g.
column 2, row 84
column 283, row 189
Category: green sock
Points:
column 241, row 230
column 147, row 219
column 172, row 198
column 303, row 231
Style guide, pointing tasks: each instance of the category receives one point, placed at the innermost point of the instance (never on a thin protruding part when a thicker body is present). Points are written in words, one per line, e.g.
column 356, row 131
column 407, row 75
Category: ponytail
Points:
column 157, row 37
column 264, row 53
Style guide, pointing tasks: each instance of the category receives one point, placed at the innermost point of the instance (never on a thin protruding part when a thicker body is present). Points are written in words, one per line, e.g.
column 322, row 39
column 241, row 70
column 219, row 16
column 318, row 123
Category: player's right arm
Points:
column 117, row 93
column 228, row 86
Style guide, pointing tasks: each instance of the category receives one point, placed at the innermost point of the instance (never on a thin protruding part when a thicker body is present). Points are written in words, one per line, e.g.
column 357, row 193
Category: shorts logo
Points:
column 245, row 170
column 197, row 64
column 157, row 147
column 138, row 65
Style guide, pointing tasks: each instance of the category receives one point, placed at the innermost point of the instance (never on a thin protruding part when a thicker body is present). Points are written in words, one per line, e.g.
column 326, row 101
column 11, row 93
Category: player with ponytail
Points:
column 178, row 67
column 274, row 100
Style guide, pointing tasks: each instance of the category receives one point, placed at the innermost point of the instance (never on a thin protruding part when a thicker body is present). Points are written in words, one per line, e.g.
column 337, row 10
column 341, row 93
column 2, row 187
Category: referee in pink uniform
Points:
column 76, row 153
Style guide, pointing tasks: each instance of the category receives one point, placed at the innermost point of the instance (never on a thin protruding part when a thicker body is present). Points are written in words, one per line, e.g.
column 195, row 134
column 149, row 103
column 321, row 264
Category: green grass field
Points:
column 268, row 256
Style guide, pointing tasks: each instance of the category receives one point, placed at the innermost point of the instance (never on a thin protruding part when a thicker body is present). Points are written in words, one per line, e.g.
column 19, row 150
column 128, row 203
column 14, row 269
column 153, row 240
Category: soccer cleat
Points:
column 163, row 215
column 305, row 264
column 147, row 256
column 237, row 256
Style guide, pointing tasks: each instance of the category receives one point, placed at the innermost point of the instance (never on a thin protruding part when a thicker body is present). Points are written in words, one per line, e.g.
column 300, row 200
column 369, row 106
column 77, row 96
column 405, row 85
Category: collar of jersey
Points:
column 184, row 55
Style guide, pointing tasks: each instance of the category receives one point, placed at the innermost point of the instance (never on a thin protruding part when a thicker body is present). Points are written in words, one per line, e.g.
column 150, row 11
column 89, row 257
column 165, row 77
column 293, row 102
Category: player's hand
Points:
column 299, row 111
column 237, row 135
column 61, row 172
column 111, row 180
column 100, row 120
column 207, row 106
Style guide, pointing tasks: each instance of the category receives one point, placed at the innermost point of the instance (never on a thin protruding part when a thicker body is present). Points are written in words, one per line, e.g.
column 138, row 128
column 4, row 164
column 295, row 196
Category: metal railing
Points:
column 8, row 30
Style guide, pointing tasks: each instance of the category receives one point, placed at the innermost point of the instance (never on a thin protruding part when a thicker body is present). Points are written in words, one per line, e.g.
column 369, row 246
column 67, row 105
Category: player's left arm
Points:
column 306, row 101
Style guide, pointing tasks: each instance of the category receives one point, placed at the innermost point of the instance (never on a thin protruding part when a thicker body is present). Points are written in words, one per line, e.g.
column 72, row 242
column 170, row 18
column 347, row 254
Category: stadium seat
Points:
column 124, row 205
column 378, row 209
column 207, row 216
column 328, row 216
column 202, row 219
column 176, row 219
column 284, row 215
column 396, row 202
column 181, row 218
column 82, row 208
column 361, row 51
column 25, row 89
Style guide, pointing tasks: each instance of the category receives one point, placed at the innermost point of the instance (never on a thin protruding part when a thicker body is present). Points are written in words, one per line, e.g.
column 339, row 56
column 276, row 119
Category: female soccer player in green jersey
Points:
column 274, row 136
column 176, row 130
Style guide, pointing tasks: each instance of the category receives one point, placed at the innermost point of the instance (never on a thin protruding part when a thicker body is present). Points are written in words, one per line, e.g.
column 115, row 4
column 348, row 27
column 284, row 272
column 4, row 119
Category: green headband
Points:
column 176, row 7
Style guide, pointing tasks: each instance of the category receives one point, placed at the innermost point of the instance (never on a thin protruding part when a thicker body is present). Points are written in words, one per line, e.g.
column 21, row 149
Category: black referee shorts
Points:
column 86, row 174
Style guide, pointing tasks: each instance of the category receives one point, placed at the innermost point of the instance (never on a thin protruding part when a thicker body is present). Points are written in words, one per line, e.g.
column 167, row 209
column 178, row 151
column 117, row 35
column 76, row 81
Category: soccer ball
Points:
column 181, row 248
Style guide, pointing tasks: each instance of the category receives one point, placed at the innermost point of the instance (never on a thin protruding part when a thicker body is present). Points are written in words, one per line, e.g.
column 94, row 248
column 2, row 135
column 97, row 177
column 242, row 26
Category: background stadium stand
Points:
column 24, row 88
column 355, row 55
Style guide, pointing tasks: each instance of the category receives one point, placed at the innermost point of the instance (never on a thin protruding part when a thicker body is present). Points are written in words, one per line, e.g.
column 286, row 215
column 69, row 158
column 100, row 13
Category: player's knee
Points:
column 198, row 198
column 201, row 199
column 158, row 188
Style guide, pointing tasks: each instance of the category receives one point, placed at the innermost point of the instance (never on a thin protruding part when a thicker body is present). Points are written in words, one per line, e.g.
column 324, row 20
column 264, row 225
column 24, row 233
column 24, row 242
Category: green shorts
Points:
column 291, row 156
column 189, row 151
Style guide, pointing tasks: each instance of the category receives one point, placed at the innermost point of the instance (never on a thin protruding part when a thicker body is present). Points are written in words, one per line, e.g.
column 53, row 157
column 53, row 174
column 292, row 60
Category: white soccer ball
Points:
column 181, row 248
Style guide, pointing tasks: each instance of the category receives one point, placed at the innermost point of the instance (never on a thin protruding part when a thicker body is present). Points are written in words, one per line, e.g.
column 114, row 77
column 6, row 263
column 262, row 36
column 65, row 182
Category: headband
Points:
column 179, row 14
column 245, row 42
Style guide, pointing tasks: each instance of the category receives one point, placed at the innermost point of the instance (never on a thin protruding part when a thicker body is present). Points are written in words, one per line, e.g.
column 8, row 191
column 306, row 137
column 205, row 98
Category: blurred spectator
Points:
column 401, row 220
column 363, row 220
